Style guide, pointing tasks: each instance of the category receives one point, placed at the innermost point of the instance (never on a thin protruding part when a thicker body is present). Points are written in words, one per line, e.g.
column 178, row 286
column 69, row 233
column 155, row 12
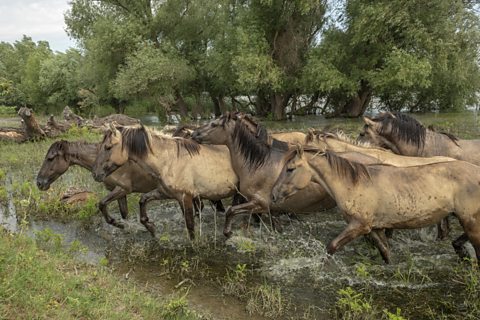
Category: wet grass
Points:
column 40, row 280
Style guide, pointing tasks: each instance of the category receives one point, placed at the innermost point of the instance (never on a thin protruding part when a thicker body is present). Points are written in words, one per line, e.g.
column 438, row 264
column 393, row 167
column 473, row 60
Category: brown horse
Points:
column 257, row 163
column 375, row 197
column 181, row 167
column 63, row 154
column 405, row 135
column 129, row 179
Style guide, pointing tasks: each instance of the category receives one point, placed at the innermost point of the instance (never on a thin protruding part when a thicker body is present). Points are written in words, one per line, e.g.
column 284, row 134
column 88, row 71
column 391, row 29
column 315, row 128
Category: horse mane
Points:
column 404, row 127
column 346, row 169
column 136, row 140
column 452, row 137
column 189, row 145
column 182, row 131
column 253, row 146
column 337, row 135
column 354, row 171
column 81, row 147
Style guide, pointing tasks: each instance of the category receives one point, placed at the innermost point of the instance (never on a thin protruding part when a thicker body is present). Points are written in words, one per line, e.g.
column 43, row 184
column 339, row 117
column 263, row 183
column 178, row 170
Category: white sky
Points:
column 40, row 20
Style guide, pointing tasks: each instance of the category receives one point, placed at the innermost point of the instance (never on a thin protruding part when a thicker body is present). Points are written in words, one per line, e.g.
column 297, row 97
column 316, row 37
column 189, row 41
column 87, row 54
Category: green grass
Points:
column 39, row 284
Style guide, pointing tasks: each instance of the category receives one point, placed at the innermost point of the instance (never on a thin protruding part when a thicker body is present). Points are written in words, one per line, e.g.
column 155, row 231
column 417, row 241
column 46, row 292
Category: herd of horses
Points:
column 398, row 174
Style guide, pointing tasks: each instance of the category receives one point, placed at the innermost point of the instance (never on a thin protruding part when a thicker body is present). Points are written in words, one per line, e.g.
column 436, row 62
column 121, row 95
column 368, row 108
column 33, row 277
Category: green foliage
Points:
column 176, row 308
column 394, row 316
column 353, row 305
column 40, row 280
column 150, row 70
column 4, row 110
column 407, row 55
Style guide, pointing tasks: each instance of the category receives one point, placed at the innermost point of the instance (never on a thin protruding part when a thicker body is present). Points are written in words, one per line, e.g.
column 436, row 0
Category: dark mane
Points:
column 351, row 170
column 404, row 127
column 73, row 149
column 136, row 140
column 189, row 145
column 183, row 131
column 252, row 145
column 449, row 135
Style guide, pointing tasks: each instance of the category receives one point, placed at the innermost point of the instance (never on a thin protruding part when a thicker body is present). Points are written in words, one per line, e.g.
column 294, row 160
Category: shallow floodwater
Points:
column 424, row 280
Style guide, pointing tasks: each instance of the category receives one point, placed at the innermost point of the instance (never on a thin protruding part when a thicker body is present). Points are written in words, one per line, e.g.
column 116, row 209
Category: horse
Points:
column 182, row 168
column 405, row 135
column 373, row 197
column 256, row 160
column 62, row 154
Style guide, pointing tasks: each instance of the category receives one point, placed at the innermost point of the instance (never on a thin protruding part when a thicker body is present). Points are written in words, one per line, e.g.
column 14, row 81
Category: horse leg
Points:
column 379, row 238
column 249, row 207
column 197, row 205
column 123, row 207
column 458, row 246
column 389, row 232
column 218, row 205
column 443, row 228
column 187, row 204
column 147, row 197
column 353, row 230
column 115, row 194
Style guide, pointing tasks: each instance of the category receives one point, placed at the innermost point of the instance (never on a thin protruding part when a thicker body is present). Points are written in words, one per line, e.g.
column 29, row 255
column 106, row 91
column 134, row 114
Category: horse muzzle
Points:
column 43, row 184
column 99, row 177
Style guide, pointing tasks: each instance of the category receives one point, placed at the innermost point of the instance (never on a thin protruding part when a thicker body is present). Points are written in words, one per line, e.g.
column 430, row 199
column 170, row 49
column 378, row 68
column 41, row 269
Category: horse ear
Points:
column 368, row 121
column 111, row 127
column 390, row 114
column 299, row 150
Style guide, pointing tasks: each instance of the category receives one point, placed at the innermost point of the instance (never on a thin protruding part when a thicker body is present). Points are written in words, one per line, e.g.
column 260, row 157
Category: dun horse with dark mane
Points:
column 63, row 154
column 375, row 197
column 406, row 136
column 182, row 168
column 257, row 163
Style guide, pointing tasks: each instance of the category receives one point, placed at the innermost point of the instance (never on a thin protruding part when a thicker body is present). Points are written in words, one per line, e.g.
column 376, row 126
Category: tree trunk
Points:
column 197, row 109
column 358, row 104
column 218, row 105
column 278, row 108
column 32, row 129
column 181, row 104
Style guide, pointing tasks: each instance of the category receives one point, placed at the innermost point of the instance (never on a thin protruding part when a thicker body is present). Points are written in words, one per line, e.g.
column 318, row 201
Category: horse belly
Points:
column 412, row 211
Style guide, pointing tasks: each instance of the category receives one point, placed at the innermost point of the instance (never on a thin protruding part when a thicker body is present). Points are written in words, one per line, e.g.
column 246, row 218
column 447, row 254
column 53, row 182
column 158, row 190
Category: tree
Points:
column 410, row 54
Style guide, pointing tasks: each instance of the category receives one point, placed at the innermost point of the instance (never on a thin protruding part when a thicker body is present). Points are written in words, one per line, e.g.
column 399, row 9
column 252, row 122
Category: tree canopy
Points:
column 270, row 57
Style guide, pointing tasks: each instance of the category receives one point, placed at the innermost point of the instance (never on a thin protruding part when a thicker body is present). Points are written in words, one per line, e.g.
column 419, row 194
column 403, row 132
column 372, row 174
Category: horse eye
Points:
column 290, row 169
column 108, row 147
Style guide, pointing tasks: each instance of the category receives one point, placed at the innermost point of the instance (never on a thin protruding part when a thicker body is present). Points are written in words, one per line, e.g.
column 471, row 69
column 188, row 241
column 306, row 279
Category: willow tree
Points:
column 413, row 54
column 274, row 38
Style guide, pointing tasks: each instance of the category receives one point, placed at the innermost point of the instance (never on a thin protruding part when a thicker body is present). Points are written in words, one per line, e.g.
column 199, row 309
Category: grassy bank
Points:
column 41, row 280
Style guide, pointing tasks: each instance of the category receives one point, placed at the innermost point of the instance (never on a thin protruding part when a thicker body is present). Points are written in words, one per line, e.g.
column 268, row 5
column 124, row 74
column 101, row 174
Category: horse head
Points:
column 216, row 131
column 111, row 153
column 295, row 175
column 56, row 162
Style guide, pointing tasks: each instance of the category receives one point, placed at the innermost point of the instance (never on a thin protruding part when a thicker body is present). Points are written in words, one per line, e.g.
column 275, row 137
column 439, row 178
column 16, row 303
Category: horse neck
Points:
column 239, row 163
column 324, row 175
column 82, row 154
column 159, row 160
column 342, row 146
column 438, row 144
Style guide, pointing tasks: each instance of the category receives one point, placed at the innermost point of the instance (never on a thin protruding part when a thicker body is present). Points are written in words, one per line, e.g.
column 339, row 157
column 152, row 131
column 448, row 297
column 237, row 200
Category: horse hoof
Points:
column 227, row 234
column 117, row 224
